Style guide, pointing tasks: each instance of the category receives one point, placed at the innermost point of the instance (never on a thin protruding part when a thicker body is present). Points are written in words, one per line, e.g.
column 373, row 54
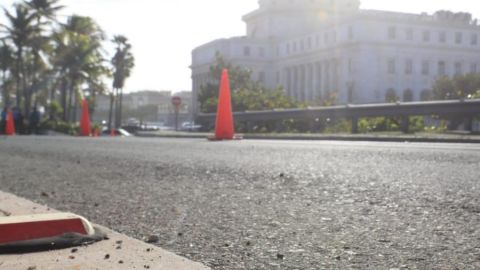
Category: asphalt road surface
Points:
column 265, row 204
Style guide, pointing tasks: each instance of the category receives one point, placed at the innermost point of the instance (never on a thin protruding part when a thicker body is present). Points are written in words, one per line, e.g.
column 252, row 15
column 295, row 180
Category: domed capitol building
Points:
column 313, row 48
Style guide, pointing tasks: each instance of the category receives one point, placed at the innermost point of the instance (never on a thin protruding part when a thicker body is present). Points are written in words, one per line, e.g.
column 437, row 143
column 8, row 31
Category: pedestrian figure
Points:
column 18, row 120
column 34, row 121
column 3, row 120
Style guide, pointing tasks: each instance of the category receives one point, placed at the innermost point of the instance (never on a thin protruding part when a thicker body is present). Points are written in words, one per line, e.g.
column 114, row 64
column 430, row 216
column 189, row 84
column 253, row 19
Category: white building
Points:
column 316, row 47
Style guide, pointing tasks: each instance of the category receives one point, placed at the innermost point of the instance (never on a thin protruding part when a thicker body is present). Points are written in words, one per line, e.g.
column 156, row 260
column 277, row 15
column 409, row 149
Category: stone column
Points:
column 288, row 84
column 295, row 83
column 302, row 83
column 318, row 81
column 326, row 88
column 309, row 95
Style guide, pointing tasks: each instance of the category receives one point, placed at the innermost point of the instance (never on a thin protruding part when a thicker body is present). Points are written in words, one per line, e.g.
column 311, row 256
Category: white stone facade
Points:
column 315, row 47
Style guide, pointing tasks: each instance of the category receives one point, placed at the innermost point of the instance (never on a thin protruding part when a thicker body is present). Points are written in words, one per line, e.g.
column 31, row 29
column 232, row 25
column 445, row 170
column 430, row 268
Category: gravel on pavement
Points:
column 265, row 204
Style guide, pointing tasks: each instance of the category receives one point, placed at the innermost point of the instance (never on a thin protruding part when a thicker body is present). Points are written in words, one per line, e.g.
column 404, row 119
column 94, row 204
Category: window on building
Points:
column 442, row 37
column 288, row 48
column 473, row 68
column 278, row 77
column 302, row 45
column 325, row 38
column 261, row 52
column 261, row 77
column 441, row 68
column 391, row 66
column 294, row 46
column 409, row 66
column 317, row 40
column 425, row 68
column 408, row 95
column 458, row 68
column 474, row 40
column 458, row 37
column 426, row 95
column 334, row 36
column 350, row 66
column 246, row 51
column 409, row 34
column 392, row 32
column 391, row 96
column 309, row 43
column 426, row 35
column 350, row 33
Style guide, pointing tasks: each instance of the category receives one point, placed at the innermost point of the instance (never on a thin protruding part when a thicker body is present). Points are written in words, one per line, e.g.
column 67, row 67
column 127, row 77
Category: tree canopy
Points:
column 247, row 94
column 45, row 61
column 459, row 87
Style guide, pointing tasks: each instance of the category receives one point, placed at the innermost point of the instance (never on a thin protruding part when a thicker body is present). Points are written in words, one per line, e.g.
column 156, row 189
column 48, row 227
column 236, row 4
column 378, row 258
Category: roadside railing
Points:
column 465, row 109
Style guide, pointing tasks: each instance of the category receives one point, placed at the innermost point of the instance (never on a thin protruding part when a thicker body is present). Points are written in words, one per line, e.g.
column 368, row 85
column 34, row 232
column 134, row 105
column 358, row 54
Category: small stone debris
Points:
column 32, row 268
column 71, row 257
column 149, row 249
column 180, row 234
column 282, row 175
column 107, row 256
column 152, row 239
column 5, row 213
column 119, row 244
column 120, row 262
column 146, row 266
column 74, row 250
column 44, row 194
column 280, row 256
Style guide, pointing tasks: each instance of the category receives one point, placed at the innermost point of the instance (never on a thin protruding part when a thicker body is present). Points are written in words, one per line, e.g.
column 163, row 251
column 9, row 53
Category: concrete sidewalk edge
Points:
column 119, row 252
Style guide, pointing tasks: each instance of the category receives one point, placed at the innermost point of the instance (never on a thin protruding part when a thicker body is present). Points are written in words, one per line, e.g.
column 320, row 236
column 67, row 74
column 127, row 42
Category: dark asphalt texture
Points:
column 265, row 204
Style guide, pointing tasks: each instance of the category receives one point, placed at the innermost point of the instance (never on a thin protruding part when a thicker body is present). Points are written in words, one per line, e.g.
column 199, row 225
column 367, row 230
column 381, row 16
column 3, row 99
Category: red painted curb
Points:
column 22, row 228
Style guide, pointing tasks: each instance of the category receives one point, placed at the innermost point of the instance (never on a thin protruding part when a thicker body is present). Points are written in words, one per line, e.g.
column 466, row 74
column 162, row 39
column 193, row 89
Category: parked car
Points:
column 190, row 126
column 118, row 132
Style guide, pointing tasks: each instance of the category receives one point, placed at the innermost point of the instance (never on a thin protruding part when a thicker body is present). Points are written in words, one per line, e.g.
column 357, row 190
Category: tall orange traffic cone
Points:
column 10, row 125
column 224, row 129
column 85, row 120
column 224, row 123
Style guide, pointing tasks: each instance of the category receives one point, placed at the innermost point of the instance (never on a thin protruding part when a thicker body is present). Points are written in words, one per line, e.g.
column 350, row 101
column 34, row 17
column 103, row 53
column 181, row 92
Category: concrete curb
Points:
column 312, row 137
column 119, row 252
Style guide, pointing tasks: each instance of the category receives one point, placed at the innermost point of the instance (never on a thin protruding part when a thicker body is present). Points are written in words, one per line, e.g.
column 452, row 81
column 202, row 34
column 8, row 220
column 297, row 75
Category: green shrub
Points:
column 60, row 126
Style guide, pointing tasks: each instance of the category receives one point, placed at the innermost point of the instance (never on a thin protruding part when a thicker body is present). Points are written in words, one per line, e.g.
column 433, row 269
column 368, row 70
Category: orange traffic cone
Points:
column 10, row 125
column 224, row 129
column 85, row 120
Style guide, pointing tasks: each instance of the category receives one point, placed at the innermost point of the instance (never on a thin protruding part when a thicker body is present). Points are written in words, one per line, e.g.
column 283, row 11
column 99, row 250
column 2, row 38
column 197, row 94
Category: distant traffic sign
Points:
column 176, row 101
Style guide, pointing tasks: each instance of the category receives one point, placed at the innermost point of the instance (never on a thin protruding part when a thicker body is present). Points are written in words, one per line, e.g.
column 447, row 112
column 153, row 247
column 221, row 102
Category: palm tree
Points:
column 123, row 63
column 6, row 66
column 96, row 85
column 21, row 31
column 44, row 12
column 78, row 58
column 45, row 8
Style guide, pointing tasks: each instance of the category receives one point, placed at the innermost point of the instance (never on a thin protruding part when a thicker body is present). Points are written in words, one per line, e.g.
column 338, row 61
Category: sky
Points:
column 164, row 32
